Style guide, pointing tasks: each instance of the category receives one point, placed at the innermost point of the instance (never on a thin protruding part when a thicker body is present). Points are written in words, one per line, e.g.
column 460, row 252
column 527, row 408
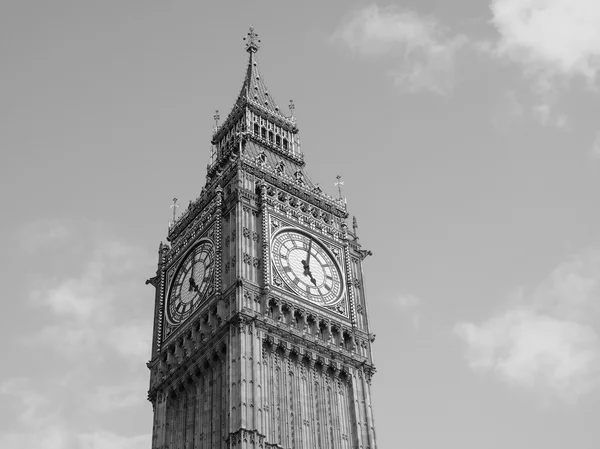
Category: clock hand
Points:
column 306, row 263
column 193, row 285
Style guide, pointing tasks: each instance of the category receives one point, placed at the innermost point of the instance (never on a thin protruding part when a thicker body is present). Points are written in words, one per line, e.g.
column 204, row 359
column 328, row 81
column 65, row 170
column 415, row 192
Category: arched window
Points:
column 285, row 144
column 256, row 129
column 263, row 132
column 271, row 136
column 278, row 140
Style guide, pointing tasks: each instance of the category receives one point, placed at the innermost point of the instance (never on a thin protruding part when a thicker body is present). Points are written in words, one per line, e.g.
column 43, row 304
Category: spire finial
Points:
column 355, row 227
column 174, row 206
column 292, row 107
column 252, row 41
column 216, row 117
column 339, row 185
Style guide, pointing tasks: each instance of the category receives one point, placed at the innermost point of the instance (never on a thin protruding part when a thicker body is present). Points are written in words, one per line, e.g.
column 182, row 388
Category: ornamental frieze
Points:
column 313, row 196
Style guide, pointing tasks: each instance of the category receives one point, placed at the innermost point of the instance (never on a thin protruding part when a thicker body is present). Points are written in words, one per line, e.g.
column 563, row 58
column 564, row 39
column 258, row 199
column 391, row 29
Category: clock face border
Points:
column 295, row 289
column 208, row 285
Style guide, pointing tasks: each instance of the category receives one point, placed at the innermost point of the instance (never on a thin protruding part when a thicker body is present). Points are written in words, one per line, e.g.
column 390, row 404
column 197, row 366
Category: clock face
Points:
column 307, row 267
column 192, row 283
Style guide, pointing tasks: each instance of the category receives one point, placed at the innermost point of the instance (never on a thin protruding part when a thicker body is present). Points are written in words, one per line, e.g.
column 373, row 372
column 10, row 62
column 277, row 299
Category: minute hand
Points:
column 305, row 263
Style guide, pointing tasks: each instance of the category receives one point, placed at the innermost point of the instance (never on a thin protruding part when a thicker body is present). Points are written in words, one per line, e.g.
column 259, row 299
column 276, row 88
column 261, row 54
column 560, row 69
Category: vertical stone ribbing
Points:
column 277, row 394
column 239, row 252
column 264, row 236
column 243, row 383
column 349, row 285
column 219, row 242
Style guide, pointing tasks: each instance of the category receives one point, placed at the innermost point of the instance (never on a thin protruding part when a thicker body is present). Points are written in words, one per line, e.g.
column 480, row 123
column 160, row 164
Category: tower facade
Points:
column 261, row 336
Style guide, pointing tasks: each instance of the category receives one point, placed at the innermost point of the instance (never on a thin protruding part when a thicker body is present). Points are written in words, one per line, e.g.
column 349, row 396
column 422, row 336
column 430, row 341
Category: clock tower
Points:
column 261, row 337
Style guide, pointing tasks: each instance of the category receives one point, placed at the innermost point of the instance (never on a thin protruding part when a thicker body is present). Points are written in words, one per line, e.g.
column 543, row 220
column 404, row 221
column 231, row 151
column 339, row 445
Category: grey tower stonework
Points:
column 261, row 336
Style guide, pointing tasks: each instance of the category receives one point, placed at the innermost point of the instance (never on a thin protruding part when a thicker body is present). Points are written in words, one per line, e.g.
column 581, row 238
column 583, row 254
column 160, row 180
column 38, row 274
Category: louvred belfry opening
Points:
column 261, row 335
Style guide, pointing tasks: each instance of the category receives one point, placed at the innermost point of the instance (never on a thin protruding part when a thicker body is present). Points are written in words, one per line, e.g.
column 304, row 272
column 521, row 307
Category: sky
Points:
column 467, row 134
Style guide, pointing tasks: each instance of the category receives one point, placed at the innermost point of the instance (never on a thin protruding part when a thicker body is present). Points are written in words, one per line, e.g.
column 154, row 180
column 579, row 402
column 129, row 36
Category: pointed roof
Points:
column 254, row 92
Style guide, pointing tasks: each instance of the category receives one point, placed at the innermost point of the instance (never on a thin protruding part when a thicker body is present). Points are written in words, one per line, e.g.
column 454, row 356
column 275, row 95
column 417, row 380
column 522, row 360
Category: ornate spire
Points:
column 254, row 92
column 252, row 41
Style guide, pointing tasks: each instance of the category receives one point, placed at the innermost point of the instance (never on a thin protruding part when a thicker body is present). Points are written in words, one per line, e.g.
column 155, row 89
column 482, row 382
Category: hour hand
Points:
column 306, row 268
column 193, row 285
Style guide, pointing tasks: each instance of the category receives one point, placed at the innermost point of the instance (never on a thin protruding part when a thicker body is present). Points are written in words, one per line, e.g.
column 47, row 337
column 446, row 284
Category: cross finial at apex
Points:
column 252, row 41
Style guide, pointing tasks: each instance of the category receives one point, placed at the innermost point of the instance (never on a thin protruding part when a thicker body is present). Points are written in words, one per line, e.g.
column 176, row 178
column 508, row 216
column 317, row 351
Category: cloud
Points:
column 41, row 409
column 42, row 234
column 423, row 54
column 110, row 398
column 30, row 401
column 554, row 42
column 108, row 440
column 94, row 313
column 596, row 146
column 550, row 38
column 34, row 411
column 131, row 339
column 93, row 307
column 46, row 438
column 407, row 301
column 546, row 341
column 409, row 304
column 544, row 112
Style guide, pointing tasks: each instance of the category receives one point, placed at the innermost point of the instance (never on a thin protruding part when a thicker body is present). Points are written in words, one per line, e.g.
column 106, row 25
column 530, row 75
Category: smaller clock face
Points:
column 307, row 267
column 192, row 283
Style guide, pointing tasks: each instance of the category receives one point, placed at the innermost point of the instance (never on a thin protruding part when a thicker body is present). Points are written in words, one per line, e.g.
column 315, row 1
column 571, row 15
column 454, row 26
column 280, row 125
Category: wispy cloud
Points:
column 409, row 305
column 43, row 234
column 596, row 146
column 95, row 315
column 109, row 440
column 546, row 341
column 110, row 398
column 87, row 305
column 550, row 38
column 555, row 42
column 422, row 52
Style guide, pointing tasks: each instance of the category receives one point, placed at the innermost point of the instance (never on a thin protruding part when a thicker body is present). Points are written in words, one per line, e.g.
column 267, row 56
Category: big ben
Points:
column 261, row 336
